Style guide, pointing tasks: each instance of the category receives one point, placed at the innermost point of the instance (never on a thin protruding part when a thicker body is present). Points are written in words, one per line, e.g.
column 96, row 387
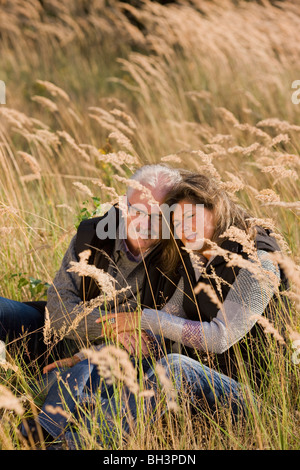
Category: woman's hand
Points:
column 123, row 328
column 119, row 322
column 67, row 362
column 133, row 342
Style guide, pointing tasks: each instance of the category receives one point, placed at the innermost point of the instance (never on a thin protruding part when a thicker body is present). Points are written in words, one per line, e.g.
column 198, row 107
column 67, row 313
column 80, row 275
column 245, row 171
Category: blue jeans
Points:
column 79, row 385
column 18, row 317
column 21, row 326
column 21, row 321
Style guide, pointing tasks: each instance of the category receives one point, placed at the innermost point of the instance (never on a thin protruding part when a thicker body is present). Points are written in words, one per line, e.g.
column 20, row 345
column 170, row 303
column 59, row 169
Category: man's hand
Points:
column 123, row 328
column 67, row 362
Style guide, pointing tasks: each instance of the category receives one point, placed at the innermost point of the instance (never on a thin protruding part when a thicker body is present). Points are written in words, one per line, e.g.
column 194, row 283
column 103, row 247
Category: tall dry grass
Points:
column 96, row 89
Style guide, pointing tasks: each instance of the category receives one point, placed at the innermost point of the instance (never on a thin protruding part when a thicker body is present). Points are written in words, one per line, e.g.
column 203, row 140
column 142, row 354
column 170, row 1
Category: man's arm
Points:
column 64, row 297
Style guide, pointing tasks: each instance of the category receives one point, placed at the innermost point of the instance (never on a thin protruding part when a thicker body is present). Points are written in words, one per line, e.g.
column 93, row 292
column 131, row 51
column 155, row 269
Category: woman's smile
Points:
column 193, row 223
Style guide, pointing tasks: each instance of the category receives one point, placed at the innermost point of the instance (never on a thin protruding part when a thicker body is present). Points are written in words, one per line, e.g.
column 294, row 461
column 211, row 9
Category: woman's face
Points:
column 193, row 223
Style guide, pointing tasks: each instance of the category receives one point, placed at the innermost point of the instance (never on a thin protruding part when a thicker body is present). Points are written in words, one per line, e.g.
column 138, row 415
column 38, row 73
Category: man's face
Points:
column 143, row 220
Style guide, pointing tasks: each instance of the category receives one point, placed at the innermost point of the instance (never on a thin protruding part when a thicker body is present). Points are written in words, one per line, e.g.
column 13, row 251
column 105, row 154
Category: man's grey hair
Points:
column 156, row 176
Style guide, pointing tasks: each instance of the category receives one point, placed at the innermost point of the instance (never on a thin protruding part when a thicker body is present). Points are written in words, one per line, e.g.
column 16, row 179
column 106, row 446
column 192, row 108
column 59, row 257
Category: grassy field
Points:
column 96, row 89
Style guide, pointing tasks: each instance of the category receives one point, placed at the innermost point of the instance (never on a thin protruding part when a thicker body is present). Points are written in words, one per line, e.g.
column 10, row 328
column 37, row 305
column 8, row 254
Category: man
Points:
column 125, row 244
column 130, row 254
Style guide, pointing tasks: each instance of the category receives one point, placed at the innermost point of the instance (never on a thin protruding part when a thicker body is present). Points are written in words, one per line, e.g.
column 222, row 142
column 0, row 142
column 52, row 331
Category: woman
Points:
column 210, row 323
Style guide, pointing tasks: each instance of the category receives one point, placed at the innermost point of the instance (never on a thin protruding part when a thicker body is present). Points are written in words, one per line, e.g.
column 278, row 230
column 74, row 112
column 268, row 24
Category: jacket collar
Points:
column 263, row 241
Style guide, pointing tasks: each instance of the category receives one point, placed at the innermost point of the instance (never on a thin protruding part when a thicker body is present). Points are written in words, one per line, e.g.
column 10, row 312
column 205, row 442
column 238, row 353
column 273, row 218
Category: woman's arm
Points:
column 246, row 297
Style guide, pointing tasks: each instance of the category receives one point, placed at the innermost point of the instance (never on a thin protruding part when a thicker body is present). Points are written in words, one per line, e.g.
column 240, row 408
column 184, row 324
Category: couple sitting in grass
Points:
column 178, row 276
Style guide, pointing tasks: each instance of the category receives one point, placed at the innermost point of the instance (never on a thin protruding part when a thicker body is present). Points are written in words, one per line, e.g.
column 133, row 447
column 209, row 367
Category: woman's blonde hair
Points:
column 200, row 189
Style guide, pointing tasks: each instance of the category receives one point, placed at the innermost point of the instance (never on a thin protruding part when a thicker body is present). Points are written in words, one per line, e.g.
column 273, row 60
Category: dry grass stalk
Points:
column 108, row 121
column 58, row 410
column 16, row 118
column 228, row 116
column 253, row 131
column 252, row 264
column 279, row 125
column 288, row 159
column 145, row 192
column 292, row 271
column 239, row 236
column 263, row 276
column 33, row 164
column 279, row 139
column 4, row 231
column 293, row 206
column 47, row 331
column 244, row 150
column 54, row 90
column 83, row 188
column 65, row 206
column 126, row 117
column 30, row 177
column 119, row 158
column 270, row 225
column 104, row 280
column 69, row 139
column 269, row 328
column 265, row 223
column 9, row 401
column 46, row 103
column 222, row 139
column 122, row 140
column 48, row 140
column 171, row 158
column 167, row 388
column 208, row 167
column 294, row 335
column 107, row 292
column 85, row 308
column 233, row 186
column 267, row 195
column 42, row 138
column 108, row 189
column 279, row 172
column 114, row 365
column 210, row 292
